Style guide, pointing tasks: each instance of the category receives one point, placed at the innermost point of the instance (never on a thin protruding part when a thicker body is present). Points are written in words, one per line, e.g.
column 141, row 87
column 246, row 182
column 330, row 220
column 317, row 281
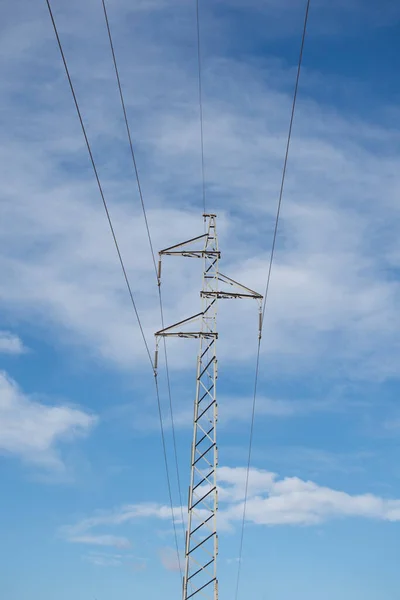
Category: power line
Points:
column 129, row 133
column 267, row 289
column 98, row 181
column 168, row 477
column 200, row 104
column 172, row 416
column 121, row 263
column 151, row 249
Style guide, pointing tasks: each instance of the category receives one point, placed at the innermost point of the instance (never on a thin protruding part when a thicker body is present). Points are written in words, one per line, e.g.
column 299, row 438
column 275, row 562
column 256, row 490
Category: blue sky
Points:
column 84, row 502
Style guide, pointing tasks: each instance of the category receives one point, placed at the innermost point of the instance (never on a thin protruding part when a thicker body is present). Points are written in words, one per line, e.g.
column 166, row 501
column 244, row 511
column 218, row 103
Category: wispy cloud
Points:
column 101, row 540
column 32, row 431
column 10, row 343
column 333, row 307
column 333, row 297
column 271, row 501
column 237, row 409
column 107, row 560
column 102, row 559
column 125, row 514
column 82, row 531
column 233, row 409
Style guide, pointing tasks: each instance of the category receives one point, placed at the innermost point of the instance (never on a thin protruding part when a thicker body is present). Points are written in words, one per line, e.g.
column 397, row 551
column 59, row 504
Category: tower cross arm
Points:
column 182, row 248
column 172, row 332
column 176, row 246
column 241, row 291
column 185, row 249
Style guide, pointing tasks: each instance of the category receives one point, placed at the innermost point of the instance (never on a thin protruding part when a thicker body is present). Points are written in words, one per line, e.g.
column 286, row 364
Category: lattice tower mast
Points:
column 201, row 544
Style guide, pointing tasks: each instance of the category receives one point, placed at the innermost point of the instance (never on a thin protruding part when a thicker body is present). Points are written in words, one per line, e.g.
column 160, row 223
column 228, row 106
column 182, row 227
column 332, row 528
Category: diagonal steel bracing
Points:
column 201, row 546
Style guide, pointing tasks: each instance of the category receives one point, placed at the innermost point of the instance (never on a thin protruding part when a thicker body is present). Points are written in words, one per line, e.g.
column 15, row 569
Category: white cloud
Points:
column 328, row 281
column 270, row 501
column 333, row 296
column 32, row 430
column 293, row 501
column 10, row 343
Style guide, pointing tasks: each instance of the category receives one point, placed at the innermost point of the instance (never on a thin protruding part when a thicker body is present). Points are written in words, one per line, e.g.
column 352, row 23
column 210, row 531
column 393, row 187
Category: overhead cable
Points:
column 121, row 263
column 267, row 291
column 152, row 253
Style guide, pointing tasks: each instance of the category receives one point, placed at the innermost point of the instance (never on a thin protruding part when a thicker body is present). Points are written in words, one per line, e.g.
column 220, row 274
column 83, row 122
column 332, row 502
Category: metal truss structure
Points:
column 201, row 546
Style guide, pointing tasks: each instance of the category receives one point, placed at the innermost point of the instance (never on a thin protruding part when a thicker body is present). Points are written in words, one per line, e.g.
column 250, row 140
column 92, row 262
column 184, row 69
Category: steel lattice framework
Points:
column 201, row 546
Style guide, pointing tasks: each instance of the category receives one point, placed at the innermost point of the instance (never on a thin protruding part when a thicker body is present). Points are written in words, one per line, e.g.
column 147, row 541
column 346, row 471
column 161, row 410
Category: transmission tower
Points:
column 201, row 546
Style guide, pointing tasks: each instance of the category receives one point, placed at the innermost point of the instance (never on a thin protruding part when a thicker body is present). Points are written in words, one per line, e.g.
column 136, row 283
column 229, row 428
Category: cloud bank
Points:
column 271, row 502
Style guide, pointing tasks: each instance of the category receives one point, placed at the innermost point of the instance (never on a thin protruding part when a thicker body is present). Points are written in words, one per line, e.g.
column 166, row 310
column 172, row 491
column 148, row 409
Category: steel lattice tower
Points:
column 201, row 547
